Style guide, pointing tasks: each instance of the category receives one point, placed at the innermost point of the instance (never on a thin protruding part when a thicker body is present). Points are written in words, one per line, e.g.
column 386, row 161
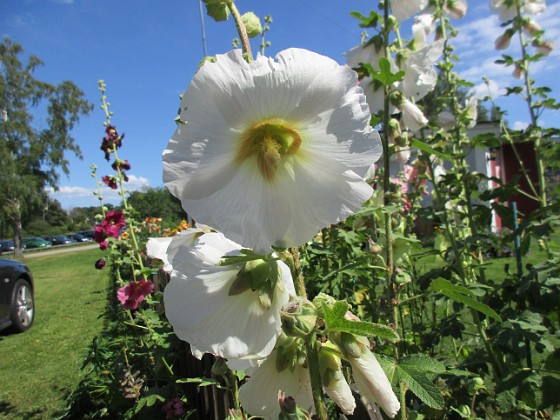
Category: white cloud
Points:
column 492, row 89
column 520, row 125
column 75, row 196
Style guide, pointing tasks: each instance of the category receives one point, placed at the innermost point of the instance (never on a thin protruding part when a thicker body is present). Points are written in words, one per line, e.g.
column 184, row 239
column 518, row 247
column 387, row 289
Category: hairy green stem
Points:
column 241, row 30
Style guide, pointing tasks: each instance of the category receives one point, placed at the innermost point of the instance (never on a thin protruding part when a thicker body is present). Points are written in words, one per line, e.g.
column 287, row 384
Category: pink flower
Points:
column 100, row 264
column 174, row 408
column 111, row 226
column 134, row 293
column 111, row 141
column 110, row 181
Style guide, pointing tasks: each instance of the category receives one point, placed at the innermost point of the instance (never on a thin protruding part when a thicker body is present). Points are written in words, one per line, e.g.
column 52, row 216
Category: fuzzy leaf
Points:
column 461, row 294
column 429, row 150
column 335, row 321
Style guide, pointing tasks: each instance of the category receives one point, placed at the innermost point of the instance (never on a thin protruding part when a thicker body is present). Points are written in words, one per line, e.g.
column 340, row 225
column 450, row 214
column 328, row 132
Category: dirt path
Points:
column 60, row 250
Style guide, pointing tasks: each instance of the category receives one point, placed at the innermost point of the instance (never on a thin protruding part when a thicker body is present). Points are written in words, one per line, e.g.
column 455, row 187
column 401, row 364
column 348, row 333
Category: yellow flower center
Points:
column 268, row 141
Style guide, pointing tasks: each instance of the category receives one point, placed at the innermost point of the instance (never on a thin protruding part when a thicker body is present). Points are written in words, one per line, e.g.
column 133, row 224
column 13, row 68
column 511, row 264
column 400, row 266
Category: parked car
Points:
column 59, row 240
column 36, row 242
column 7, row 245
column 17, row 307
column 79, row 238
column 87, row 233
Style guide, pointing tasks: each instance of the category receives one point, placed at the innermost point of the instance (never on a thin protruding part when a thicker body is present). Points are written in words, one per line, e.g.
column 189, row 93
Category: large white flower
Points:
column 259, row 395
column 420, row 75
column 231, row 310
column 403, row 9
column 274, row 150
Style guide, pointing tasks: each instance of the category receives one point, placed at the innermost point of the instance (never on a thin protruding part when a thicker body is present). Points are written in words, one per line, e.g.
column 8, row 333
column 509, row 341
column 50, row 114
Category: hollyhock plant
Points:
column 134, row 293
column 259, row 395
column 273, row 150
column 229, row 310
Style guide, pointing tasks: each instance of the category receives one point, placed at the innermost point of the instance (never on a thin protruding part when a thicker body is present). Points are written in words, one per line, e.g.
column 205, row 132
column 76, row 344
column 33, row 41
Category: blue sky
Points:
column 148, row 50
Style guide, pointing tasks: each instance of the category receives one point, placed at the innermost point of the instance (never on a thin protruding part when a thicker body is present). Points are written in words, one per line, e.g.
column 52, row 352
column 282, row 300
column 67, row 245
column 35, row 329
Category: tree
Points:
column 157, row 202
column 32, row 158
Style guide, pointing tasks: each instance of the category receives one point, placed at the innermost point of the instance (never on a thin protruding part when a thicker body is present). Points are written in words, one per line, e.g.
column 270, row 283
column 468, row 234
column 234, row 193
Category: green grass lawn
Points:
column 42, row 366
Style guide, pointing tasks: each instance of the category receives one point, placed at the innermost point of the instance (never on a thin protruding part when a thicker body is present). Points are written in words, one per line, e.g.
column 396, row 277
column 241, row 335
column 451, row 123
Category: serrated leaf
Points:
column 335, row 321
column 422, row 362
column 422, row 387
column 461, row 294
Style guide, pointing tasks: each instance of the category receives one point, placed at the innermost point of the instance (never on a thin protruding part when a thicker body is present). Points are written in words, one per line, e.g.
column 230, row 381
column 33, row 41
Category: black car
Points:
column 17, row 309
column 87, row 233
column 79, row 238
column 8, row 246
column 59, row 240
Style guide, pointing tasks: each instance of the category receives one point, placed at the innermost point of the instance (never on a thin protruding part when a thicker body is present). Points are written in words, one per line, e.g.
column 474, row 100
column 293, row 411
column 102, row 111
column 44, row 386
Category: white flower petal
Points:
column 201, row 311
column 157, row 248
column 314, row 96
column 373, row 383
column 339, row 391
column 404, row 9
column 259, row 395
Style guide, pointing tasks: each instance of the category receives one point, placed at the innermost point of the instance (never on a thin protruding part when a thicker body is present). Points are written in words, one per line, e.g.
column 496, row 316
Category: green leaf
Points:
column 422, row 387
column 148, row 400
column 335, row 321
column 461, row 294
column 200, row 382
column 428, row 149
column 384, row 75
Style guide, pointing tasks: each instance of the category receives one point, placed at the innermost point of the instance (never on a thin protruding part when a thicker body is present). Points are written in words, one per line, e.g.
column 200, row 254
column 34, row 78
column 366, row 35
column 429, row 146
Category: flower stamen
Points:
column 268, row 140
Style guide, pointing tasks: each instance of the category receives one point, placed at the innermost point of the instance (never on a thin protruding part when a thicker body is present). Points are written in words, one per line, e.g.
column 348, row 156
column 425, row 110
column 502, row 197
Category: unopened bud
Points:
column 394, row 129
column 220, row 367
column 532, row 28
column 544, row 47
column 349, row 345
column 502, row 42
column 373, row 248
column 252, row 24
column 457, row 9
column 299, row 319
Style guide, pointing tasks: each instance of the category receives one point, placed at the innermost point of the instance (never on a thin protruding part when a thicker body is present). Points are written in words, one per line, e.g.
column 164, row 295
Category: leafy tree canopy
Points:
column 32, row 158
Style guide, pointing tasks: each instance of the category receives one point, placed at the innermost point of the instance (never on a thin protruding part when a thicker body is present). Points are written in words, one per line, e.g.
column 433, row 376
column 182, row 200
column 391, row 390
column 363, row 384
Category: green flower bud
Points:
column 299, row 318
column 217, row 10
column 252, row 24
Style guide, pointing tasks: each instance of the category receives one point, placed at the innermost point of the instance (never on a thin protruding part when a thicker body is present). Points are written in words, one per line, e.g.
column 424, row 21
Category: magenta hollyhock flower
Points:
column 113, row 223
column 110, row 181
column 174, row 408
column 111, row 226
column 103, row 245
column 111, row 139
column 123, row 165
column 100, row 264
column 134, row 293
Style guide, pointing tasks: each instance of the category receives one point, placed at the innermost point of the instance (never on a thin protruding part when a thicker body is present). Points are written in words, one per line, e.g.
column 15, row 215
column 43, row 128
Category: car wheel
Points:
column 22, row 307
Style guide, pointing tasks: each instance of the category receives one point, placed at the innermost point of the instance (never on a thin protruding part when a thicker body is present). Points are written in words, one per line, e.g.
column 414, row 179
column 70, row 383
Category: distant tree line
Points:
column 48, row 217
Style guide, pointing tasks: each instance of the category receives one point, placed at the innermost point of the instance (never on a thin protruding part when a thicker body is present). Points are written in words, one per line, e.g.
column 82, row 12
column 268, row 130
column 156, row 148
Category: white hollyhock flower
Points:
column 506, row 9
column 335, row 383
column 160, row 247
column 371, row 380
column 223, row 309
column 370, row 53
column 420, row 75
column 274, row 150
column 422, row 27
column 471, row 107
column 403, row 9
column 412, row 117
column 259, row 395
